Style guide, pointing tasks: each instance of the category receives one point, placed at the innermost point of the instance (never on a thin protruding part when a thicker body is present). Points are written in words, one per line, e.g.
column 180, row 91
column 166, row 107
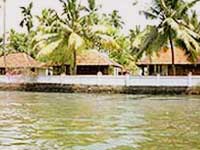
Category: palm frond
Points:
column 48, row 49
column 186, row 6
column 99, row 29
column 149, row 15
column 44, row 37
column 75, row 42
column 108, row 42
column 143, row 40
column 188, row 37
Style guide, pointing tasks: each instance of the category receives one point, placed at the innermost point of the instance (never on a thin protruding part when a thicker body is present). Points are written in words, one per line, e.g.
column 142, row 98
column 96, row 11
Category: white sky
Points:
column 129, row 13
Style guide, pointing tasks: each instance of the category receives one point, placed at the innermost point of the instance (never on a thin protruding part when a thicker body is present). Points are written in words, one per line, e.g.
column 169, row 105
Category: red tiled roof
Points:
column 19, row 60
column 91, row 58
column 164, row 57
column 95, row 58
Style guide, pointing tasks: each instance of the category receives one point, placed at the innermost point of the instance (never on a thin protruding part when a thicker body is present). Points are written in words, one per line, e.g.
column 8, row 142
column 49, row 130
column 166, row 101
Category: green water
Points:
column 44, row 121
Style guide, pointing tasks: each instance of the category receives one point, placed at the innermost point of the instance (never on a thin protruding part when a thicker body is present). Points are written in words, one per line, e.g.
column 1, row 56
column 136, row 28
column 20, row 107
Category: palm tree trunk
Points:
column 74, row 68
column 173, row 55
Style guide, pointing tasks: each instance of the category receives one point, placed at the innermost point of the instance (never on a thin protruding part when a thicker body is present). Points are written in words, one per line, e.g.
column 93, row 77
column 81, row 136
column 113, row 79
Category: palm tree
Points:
column 133, row 33
column 172, row 29
column 92, row 17
column 116, row 19
column 47, row 17
column 27, row 20
column 60, row 38
column 194, row 22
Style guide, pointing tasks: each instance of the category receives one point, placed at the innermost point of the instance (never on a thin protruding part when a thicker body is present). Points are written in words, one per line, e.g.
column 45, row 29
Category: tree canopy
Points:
column 172, row 29
column 58, row 37
column 61, row 37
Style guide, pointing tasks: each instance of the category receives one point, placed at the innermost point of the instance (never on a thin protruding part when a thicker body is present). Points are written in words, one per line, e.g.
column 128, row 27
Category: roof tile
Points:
column 164, row 57
column 19, row 60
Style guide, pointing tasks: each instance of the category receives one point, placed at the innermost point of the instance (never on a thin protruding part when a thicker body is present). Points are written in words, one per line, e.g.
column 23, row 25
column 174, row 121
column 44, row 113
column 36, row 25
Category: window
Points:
column 2, row 71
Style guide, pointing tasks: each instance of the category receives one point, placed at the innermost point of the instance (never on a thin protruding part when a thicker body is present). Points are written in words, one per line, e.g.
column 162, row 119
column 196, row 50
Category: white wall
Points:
column 181, row 81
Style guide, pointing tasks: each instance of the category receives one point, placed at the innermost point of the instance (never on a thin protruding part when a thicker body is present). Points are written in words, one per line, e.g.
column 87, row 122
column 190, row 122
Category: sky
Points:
column 129, row 13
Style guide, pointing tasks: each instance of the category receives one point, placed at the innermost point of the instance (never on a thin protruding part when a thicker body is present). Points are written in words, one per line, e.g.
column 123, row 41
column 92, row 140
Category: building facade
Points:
column 20, row 63
column 161, row 63
column 90, row 62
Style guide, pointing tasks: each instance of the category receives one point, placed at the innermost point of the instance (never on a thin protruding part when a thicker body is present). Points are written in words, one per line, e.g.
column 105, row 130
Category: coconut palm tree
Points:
column 172, row 29
column 133, row 33
column 47, row 17
column 27, row 14
column 92, row 17
column 60, row 38
column 116, row 19
column 194, row 22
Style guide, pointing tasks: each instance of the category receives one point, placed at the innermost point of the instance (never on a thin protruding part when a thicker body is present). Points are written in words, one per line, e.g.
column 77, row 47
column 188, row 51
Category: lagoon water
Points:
column 49, row 121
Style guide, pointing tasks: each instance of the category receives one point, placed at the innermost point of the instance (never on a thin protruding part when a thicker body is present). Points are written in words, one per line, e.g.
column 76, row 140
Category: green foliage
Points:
column 47, row 17
column 148, row 41
column 113, row 19
column 133, row 33
column 92, row 16
column 116, row 19
column 27, row 17
column 18, row 41
column 123, row 56
column 60, row 37
column 173, row 26
column 92, row 5
column 193, row 21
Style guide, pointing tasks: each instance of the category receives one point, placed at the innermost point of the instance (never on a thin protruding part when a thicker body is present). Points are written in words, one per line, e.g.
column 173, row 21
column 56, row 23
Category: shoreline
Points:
column 75, row 88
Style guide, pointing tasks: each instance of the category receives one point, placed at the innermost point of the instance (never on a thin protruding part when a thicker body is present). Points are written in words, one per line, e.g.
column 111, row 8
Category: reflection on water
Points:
column 98, row 122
